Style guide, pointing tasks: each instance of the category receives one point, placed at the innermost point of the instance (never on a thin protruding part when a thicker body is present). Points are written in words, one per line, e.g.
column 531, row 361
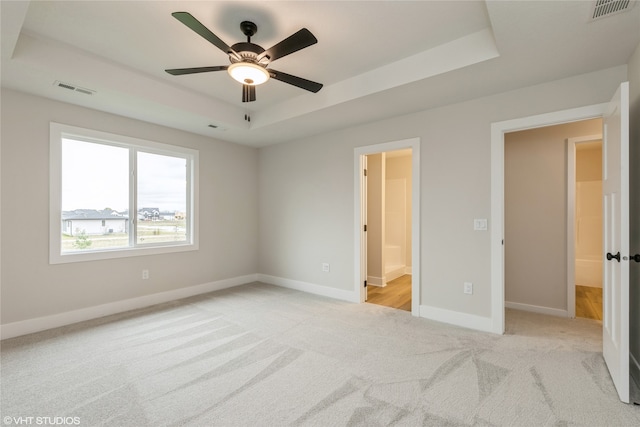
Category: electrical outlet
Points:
column 326, row 267
column 468, row 288
column 145, row 274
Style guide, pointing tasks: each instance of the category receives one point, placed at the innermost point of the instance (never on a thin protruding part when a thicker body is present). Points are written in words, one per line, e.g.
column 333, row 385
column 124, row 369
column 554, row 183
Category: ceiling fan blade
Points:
column 181, row 71
column 187, row 19
column 248, row 93
column 293, row 43
column 296, row 81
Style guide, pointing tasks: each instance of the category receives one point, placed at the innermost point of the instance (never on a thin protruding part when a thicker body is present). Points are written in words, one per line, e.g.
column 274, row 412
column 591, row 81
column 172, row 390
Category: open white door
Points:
column 365, row 208
column 615, row 193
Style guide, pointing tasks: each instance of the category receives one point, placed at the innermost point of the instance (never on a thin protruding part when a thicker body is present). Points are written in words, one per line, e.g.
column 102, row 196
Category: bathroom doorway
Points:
column 584, row 179
column 396, row 252
column 389, row 228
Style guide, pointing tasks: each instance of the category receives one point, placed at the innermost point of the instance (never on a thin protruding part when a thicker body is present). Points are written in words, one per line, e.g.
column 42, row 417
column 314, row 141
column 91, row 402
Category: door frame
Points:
column 360, row 259
column 498, row 130
column 571, row 218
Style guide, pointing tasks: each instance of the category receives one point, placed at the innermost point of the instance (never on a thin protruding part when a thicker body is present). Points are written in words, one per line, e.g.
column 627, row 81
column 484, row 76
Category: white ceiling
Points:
column 376, row 59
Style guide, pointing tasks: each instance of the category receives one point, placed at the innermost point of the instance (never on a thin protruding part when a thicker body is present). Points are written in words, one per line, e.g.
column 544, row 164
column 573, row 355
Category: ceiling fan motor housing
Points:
column 248, row 52
column 245, row 58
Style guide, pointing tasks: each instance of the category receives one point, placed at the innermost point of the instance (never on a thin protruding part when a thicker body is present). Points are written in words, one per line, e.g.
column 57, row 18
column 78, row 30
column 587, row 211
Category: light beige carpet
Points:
column 260, row 355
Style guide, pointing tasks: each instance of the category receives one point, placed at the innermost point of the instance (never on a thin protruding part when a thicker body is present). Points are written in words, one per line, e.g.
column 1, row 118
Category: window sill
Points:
column 56, row 258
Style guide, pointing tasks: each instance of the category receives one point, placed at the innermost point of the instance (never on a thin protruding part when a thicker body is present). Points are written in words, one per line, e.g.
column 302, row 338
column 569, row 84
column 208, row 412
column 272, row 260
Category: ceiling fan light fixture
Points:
column 249, row 61
column 248, row 73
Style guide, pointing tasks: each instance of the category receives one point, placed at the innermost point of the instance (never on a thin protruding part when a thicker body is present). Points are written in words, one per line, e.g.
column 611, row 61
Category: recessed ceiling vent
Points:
column 73, row 88
column 604, row 8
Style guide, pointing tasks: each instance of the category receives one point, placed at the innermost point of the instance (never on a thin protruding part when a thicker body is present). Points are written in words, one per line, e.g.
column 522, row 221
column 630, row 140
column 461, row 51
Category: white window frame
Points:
column 56, row 256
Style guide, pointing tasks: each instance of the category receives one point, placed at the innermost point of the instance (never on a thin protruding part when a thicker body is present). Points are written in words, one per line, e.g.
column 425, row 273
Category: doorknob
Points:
column 610, row 257
column 635, row 258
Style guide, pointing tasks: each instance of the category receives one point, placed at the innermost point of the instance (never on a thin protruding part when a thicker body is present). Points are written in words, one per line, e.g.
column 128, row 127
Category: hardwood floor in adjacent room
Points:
column 589, row 302
column 397, row 293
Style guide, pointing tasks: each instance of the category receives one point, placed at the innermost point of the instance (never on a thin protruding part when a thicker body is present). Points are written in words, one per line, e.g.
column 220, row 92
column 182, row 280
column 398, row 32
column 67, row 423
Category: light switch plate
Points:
column 468, row 288
column 480, row 224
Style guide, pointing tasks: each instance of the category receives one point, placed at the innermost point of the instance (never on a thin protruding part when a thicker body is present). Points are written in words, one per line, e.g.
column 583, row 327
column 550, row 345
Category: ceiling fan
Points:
column 248, row 60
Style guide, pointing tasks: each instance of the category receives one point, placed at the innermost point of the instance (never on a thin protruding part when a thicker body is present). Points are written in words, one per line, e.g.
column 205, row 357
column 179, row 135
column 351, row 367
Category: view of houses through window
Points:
column 97, row 203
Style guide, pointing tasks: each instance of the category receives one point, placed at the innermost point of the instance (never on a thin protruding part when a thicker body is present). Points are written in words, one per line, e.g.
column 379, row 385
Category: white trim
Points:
column 497, row 229
column 394, row 274
column 29, row 326
column 407, row 270
column 457, row 318
column 498, row 129
column 311, row 288
column 571, row 219
column 537, row 309
column 56, row 132
column 376, row 281
column 358, row 238
column 571, row 228
column 360, row 218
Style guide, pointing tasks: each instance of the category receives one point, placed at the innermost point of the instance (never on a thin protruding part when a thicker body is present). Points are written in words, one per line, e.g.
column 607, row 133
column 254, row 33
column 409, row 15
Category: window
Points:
column 113, row 196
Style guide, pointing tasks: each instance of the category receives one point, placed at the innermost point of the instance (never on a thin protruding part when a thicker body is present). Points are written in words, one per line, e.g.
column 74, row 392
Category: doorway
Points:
column 388, row 211
column 410, row 244
column 584, row 227
column 538, row 259
column 615, row 115
column 498, row 131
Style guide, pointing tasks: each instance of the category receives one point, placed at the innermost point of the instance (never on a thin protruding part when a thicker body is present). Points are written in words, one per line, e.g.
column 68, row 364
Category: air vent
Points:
column 604, row 8
column 74, row 88
column 66, row 86
column 85, row 91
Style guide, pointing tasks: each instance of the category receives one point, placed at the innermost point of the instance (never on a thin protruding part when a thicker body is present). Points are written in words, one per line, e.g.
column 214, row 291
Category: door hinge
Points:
column 365, row 172
column 365, row 227
column 365, row 283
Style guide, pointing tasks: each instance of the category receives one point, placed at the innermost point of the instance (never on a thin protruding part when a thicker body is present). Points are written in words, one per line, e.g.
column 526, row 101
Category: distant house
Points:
column 155, row 214
column 149, row 214
column 94, row 222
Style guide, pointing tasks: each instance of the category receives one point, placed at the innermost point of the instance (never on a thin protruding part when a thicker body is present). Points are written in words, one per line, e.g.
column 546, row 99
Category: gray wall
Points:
column 32, row 288
column 307, row 191
column 300, row 215
column 536, row 213
column 634, row 216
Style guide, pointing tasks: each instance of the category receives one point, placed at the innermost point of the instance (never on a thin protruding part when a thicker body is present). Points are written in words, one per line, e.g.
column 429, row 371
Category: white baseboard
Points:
column 38, row 324
column 310, row 288
column 537, row 309
column 465, row 320
column 394, row 274
column 634, row 368
column 376, row 281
